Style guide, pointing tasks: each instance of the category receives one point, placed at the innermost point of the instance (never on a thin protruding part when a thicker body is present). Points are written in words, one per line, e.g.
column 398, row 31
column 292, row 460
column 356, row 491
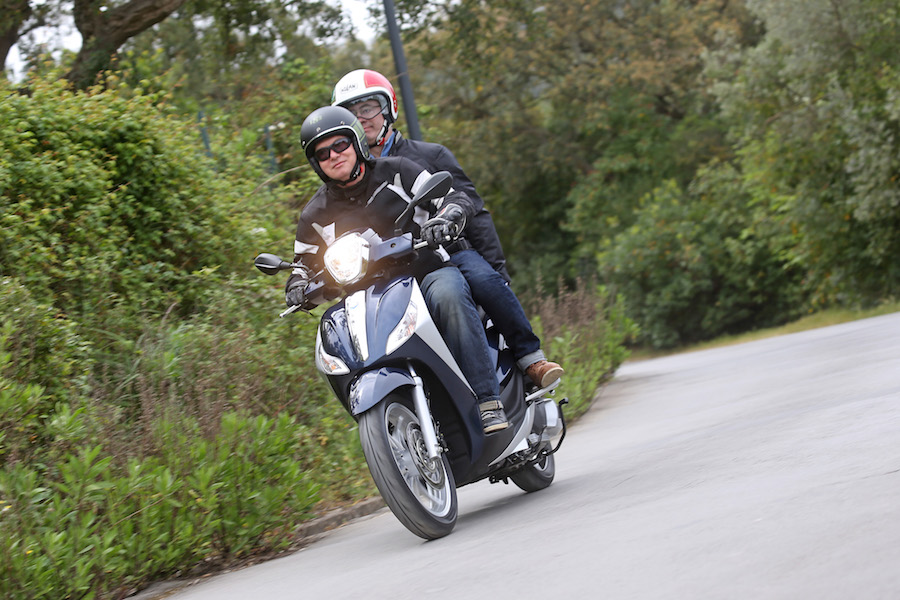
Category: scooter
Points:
column 386, row 362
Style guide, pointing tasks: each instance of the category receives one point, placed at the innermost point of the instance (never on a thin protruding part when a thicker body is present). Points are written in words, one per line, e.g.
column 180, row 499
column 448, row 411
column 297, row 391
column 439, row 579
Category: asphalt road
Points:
column 769, row 469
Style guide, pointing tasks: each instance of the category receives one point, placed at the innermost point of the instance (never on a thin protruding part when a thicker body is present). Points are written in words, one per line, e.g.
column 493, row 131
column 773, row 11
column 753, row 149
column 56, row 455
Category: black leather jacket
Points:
column 480, row 230
column 385, row 191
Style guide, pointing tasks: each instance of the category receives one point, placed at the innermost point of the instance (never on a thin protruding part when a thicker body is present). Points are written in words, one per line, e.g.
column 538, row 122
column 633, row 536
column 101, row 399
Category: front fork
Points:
column 426, row 423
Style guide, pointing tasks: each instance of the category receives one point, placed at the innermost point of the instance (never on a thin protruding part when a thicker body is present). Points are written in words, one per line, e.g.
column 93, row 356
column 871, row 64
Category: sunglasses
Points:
column 322, row 154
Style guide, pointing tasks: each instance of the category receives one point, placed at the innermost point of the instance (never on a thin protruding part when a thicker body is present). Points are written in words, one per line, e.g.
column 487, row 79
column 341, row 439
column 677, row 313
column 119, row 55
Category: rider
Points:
column 478, row 254
column 361, row 192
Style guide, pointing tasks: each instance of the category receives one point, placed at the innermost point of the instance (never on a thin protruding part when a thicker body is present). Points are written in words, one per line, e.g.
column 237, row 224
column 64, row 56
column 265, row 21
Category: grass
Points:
column 813, row 321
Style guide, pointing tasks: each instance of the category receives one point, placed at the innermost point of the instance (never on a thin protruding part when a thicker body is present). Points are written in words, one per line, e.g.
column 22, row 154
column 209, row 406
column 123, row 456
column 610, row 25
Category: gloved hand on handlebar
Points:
column 296, row 294
column 445, row 226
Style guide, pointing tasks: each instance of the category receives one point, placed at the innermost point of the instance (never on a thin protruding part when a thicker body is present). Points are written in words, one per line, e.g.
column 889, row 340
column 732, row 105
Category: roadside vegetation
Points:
column 824, row 318
column 662, row 175
column 156, row 416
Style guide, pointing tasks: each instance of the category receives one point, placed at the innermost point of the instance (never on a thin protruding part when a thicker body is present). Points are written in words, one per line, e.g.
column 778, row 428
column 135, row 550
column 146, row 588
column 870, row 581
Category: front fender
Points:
column 372, row 386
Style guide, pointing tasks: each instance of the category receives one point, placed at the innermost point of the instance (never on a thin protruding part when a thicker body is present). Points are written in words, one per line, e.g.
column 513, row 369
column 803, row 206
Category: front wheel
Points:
column 419, row 491
column 536, row 476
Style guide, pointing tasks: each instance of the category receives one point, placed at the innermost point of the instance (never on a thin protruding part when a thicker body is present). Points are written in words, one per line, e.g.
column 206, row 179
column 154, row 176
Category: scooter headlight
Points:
column 347, row 259
column 326, row 363
column 404, row 330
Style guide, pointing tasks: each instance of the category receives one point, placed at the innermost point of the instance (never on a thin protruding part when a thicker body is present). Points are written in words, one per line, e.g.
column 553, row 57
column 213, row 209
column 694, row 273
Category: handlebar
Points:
column 271, row 264
column 289, row 310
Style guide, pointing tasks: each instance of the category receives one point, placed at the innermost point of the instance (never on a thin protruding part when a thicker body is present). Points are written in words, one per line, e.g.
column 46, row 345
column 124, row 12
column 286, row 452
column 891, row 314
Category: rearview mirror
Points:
column 270, row 264
column 436, row 186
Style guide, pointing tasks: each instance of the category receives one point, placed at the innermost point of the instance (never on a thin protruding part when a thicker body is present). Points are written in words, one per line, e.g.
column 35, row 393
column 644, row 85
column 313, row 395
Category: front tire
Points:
column 420, row 492
column 537, row 476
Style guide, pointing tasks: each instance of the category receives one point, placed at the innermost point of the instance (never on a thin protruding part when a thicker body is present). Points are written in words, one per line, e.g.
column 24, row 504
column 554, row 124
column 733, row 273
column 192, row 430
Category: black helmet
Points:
column 326, row 122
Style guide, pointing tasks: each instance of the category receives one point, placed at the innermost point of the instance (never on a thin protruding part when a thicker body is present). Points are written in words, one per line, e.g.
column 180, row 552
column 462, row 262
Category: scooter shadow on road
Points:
column 509, row 506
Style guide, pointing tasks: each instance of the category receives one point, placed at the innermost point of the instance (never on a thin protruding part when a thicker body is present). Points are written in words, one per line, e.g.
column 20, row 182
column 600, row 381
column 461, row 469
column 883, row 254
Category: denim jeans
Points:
column 450, row 304
column 491, row 291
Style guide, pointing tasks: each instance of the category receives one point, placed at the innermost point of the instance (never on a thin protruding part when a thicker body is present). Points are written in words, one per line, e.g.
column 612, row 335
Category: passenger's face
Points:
column 337, row 165
column 371, row 124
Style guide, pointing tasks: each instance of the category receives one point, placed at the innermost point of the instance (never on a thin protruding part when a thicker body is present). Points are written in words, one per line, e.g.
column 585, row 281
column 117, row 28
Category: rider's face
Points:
column 338, row 165
column 373, row 124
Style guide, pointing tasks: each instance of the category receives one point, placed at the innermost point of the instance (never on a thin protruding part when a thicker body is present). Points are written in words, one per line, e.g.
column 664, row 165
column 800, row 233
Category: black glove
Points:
column 445, row 226
column 296, row 294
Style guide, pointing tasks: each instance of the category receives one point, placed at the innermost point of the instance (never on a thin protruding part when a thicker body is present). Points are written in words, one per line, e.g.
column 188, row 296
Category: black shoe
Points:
column 492, row 416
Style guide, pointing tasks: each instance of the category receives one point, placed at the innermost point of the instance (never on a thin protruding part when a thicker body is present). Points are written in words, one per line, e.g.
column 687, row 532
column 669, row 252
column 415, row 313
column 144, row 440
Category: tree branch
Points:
column 104, row 32
column 15, row 13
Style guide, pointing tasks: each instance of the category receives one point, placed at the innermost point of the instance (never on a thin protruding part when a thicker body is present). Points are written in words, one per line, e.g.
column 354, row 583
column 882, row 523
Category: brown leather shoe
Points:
column 543, row 372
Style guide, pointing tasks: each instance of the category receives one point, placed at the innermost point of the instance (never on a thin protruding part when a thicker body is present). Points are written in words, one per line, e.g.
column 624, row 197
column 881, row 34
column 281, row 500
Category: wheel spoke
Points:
column 424, row 478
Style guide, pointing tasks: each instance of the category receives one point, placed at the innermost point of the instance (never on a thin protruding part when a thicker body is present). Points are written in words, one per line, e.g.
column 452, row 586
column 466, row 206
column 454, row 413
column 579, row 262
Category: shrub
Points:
column 89, row 528
column 585, row 330
column 108, row 202
column 44, row 364
column 696, row 265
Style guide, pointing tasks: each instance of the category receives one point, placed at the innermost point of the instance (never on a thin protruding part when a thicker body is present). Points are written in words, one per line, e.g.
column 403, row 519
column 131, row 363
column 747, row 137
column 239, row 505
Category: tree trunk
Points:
column 104, row 32
column 14, row 14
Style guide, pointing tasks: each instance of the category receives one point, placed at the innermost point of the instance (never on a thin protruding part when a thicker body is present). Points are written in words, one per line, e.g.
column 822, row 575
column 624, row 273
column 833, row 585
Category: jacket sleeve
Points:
column 445, row 161
column 308, row 247
column 414, row 176
column 480, row 230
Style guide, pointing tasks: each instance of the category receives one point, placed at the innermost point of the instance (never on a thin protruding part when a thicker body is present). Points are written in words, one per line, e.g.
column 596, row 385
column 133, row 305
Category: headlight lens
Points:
column 326, row 363
column 347, row 259
column 404, row 329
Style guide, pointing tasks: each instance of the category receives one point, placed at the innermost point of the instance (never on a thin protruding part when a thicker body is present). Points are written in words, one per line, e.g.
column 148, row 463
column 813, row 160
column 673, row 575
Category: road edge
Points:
column 307, row 533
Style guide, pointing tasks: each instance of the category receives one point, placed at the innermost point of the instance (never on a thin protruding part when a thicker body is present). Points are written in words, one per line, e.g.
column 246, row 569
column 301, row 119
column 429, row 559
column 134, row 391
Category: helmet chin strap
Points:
column 357, row 169
column 382, row 135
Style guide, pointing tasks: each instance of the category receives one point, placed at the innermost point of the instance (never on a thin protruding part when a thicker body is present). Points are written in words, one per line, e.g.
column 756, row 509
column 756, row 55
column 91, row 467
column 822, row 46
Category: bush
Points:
column 697, row 264
column 44, row 363
column 108, row 203
column 585, row 330
column 89, row 528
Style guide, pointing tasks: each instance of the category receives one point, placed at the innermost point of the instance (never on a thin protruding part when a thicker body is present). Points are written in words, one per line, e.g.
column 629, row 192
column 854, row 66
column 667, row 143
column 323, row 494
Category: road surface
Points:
column 769, row 469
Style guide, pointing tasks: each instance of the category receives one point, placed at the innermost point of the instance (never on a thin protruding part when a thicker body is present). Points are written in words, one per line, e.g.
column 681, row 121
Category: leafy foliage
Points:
column 44, row 363
column 106, row 198
column 713, row 166
column 89, row 528
column 578, row 109
column 798, row 98
column 815, row 113
column 695, row 264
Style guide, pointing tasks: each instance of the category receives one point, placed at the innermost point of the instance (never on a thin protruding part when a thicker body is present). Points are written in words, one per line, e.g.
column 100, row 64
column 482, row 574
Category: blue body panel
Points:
column 372, row 386
column 452, row 401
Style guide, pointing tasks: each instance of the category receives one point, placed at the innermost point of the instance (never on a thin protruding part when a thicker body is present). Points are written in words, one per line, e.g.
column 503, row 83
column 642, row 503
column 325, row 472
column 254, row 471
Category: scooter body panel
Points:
column 358, row 330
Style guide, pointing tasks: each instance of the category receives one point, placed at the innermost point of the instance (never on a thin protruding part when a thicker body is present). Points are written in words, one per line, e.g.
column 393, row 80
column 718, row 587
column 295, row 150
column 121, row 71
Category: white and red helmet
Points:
column 364, row 84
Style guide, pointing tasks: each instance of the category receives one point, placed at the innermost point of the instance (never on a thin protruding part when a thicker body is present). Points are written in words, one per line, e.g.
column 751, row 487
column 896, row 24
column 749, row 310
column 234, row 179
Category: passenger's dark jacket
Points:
column 480, row 230
column 385, row 191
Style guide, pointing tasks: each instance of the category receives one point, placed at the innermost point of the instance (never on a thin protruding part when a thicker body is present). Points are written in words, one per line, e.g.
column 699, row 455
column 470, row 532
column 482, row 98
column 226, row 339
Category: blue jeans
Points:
column 450, row 304
column 491, row 291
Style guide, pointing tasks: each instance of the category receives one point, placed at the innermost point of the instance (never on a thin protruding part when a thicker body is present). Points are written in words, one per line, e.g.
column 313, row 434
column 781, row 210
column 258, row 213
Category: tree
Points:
column 104, row 29
column 576, row 110
column 18, row 18
column 223, row 51
column 265, row 28
column 15, row 14
column 816, row 121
